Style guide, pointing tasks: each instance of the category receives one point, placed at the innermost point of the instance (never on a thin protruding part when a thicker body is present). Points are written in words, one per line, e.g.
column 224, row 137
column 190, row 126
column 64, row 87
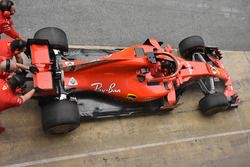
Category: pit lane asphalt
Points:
column 225, row 23
column 180, row 138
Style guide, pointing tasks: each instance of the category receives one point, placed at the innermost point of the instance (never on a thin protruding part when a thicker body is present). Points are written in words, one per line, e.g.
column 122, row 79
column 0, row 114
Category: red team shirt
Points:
column 8, row 97
column 5, row 49
column 5, row 53
column 6, row 27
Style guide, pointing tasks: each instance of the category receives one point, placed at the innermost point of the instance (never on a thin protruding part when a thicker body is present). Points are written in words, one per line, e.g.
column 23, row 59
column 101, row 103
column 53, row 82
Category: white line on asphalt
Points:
column 116, row 150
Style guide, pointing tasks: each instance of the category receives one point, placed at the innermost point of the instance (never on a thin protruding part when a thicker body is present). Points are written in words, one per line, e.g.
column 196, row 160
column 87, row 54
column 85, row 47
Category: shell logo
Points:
column 217, row 71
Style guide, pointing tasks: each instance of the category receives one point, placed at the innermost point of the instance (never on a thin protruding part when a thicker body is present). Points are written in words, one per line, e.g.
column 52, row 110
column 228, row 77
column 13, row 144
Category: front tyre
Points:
column 213, row 103
column 190, row 45
column 57, row 38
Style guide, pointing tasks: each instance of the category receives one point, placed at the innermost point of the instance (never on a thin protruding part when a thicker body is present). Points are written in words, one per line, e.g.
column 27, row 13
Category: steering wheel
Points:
column 169, row 67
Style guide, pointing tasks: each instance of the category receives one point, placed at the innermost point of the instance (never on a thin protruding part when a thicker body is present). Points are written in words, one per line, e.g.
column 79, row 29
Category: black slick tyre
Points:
column 60, row 117
column 190, row 45
column 213, row 103
column 57, row 38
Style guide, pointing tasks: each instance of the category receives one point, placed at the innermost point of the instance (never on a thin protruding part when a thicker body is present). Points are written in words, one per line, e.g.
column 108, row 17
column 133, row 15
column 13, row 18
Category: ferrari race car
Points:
column 139, row 79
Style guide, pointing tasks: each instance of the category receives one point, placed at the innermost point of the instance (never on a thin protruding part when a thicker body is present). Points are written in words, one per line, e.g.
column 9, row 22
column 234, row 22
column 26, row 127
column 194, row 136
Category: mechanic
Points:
column 10, row 48
column 8, row 97
column 8, row 67
column 7, row 8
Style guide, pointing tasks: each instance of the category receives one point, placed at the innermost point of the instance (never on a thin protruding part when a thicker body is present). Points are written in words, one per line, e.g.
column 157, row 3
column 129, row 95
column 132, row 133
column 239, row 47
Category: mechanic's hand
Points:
column 38, row 90
column 19, row 70
column 33, row 69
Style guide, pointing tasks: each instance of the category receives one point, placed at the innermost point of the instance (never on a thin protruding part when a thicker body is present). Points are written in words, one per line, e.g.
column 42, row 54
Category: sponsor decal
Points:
column 73, row 82
column 190, row 69
column 131, row 96
column 111, row 88
column 215, row 70
column 69, row 63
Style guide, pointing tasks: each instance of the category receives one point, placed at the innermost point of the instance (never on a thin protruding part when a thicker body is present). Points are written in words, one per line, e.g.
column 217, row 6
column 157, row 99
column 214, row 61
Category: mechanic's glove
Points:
column 38, row 90
column 33, row 69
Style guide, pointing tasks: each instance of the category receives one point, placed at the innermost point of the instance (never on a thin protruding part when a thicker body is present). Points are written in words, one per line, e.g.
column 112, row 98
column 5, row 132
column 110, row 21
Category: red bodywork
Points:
column 117, row 74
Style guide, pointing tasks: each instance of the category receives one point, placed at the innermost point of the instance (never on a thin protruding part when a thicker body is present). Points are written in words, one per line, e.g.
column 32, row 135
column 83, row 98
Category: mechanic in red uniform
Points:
column 8, row 97
column 7, row 8
column 10, row 48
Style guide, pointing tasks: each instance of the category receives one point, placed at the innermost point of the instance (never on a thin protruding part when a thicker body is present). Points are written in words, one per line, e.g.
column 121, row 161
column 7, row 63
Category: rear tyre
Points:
column 60, row 117
column 56, row 37
column 190, row 45
column 45, row 100
column 213, row 103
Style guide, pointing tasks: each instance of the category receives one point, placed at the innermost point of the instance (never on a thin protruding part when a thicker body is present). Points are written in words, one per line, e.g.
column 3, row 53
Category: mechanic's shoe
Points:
column 2, row 129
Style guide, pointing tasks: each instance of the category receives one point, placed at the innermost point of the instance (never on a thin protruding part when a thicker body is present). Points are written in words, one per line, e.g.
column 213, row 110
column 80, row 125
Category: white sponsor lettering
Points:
column 111, row 89
column 190, row 69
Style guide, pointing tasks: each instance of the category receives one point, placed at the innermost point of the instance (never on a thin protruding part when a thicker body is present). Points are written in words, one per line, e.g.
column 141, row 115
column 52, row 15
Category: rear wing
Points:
column 39, row 52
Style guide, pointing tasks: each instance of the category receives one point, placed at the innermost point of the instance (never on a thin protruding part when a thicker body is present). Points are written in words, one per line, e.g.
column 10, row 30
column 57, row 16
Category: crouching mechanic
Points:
column 8, row 96
column 7, row 8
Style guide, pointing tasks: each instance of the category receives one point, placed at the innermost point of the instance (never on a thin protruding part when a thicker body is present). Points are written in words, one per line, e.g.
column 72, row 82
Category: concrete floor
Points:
column 181, row 138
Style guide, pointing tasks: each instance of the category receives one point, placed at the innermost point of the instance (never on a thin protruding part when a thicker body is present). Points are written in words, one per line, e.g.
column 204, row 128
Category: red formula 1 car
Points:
column 140, row 78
